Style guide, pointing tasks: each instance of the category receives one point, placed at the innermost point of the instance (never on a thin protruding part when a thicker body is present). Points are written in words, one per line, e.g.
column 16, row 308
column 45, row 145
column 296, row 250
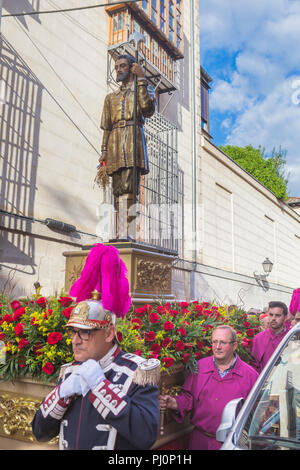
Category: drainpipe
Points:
column 194, row 149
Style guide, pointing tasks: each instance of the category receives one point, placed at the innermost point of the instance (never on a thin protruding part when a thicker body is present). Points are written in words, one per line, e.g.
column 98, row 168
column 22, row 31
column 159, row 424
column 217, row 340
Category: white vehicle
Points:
column 270, row 416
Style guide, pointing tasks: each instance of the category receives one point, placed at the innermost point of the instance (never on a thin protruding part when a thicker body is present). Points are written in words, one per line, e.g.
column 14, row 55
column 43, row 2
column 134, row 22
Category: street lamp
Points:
column 267, row 266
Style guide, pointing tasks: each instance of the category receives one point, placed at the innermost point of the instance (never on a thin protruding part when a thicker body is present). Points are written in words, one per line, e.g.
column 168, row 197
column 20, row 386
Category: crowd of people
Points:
column 109, row 399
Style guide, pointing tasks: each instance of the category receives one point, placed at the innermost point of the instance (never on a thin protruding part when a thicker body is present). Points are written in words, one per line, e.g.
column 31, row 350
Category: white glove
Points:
column 91, row 372
column 70, row 386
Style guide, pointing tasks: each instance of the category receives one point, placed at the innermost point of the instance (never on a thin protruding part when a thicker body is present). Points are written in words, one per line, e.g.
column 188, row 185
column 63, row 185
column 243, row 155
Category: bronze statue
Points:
column 117, row 123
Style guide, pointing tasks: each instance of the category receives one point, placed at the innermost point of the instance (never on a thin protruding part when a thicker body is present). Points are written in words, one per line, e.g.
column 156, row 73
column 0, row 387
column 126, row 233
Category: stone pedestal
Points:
column 149, row 271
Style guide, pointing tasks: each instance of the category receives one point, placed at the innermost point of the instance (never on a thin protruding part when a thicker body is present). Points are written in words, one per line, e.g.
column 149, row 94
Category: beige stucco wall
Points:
column 54, row 69
column 241, row 223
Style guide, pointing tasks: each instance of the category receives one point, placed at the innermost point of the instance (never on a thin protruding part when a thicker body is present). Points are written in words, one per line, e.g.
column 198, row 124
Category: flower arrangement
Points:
column 35, row 342
column 181, row 332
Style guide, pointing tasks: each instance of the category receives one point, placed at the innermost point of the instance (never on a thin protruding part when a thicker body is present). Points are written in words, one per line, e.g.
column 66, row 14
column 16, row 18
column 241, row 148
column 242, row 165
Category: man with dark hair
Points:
column 265, row 342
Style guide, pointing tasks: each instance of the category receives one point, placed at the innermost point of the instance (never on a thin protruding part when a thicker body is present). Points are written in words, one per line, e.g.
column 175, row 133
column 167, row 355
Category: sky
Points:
column 251, row 50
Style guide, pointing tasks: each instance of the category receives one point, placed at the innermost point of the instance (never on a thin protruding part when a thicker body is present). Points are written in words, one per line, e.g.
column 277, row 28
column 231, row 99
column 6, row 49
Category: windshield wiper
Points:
column 274, row 438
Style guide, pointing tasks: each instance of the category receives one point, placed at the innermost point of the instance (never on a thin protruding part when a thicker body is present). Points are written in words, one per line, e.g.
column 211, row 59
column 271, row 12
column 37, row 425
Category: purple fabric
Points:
column 295, row 302
column 107, row 273
column 205, row 394
column 263, row 346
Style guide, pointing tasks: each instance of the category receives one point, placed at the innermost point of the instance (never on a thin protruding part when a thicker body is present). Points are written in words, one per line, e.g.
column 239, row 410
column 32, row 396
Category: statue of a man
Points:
column 117, row 148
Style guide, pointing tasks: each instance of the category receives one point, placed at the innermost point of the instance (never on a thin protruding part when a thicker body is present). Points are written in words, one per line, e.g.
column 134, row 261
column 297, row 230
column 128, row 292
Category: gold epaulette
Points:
column 147, row 373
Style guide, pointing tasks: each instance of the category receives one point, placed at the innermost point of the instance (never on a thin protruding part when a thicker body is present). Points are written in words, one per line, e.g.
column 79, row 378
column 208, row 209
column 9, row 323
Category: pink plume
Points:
column 106, row 272
column 295, row 302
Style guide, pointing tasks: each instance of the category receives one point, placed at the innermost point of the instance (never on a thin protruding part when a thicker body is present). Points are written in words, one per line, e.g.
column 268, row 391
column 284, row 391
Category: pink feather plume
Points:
column 106, row 272
column 295, row 302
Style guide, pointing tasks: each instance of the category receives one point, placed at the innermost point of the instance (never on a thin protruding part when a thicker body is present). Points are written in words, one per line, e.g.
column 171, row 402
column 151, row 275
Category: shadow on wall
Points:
column 20, row 104
column 22, row 6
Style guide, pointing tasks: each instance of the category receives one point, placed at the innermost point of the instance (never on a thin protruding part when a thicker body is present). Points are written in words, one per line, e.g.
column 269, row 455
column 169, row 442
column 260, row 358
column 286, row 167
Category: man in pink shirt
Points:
column 220, row 378
column 265, row 342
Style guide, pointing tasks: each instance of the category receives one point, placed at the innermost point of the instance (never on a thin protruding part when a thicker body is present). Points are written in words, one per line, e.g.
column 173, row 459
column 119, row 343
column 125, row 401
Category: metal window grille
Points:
column 160, row 220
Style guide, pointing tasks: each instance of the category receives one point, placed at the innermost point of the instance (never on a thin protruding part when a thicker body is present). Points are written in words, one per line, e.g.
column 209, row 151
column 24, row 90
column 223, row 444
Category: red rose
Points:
column 120, row 336
column 15, row 304
column 205, row 304
column 179, row 346
column 136, row 322
column 198, row 355
column 245, row 343
column 200, row 344
column 183, row 304
column 2, row 336
column 246, row 324
column 185, row 311
column 41, row 302
column 181, row 331
column 168, row 326
column 148, row 308
column 48, row 368
column 19, row 329
column 150, row 336
column 161, row 309
column 65, row 301
column 138, row 352
column 174, row 313
column 67, row 312
column 185, row 357
column 22, row 343
column 155, row 348
column 168, row 361
column 153, row 355
column 140, row 311
column 250, row 332
column 7, row 318
column 166, row 342
column 153, row 318
column 54, row 337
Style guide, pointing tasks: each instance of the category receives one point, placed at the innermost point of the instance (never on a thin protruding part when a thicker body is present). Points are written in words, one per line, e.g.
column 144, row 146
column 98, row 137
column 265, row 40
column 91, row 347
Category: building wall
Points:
column 241, row 224
column 53, row 69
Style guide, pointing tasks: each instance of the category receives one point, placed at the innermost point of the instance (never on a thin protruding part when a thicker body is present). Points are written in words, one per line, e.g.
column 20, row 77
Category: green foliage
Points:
column 270, row 171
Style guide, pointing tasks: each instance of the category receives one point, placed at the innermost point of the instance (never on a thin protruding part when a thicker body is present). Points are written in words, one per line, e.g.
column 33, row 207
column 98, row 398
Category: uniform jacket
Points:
column 263, row 346
column 205, row 395
column 117, row 414
column 118, row 141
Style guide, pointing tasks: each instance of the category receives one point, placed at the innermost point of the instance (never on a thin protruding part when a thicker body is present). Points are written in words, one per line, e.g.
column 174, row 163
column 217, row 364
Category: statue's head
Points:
column 123, row 67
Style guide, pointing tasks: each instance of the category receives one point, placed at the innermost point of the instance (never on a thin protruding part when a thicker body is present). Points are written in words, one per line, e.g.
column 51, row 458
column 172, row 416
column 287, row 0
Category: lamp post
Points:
column 261, row 278
column 268, row 266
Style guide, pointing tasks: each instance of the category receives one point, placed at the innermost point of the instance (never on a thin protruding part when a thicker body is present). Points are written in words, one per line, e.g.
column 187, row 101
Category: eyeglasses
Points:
column 222, row 343
column 84, row 335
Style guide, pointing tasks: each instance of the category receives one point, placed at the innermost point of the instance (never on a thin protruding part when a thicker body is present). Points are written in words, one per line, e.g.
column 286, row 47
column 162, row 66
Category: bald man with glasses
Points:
column 220, row 378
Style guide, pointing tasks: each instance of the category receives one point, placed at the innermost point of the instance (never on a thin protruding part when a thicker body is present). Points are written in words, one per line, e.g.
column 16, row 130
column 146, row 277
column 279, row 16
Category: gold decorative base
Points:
column 149, row 271
column 19, row 401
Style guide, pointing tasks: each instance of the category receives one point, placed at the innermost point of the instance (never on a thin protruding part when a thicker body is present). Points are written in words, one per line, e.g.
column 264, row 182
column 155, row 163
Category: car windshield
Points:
column 274, row 421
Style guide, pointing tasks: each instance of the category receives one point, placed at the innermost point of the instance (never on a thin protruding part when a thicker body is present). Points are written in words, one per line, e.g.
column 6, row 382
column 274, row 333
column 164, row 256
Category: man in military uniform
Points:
column 106, row 399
